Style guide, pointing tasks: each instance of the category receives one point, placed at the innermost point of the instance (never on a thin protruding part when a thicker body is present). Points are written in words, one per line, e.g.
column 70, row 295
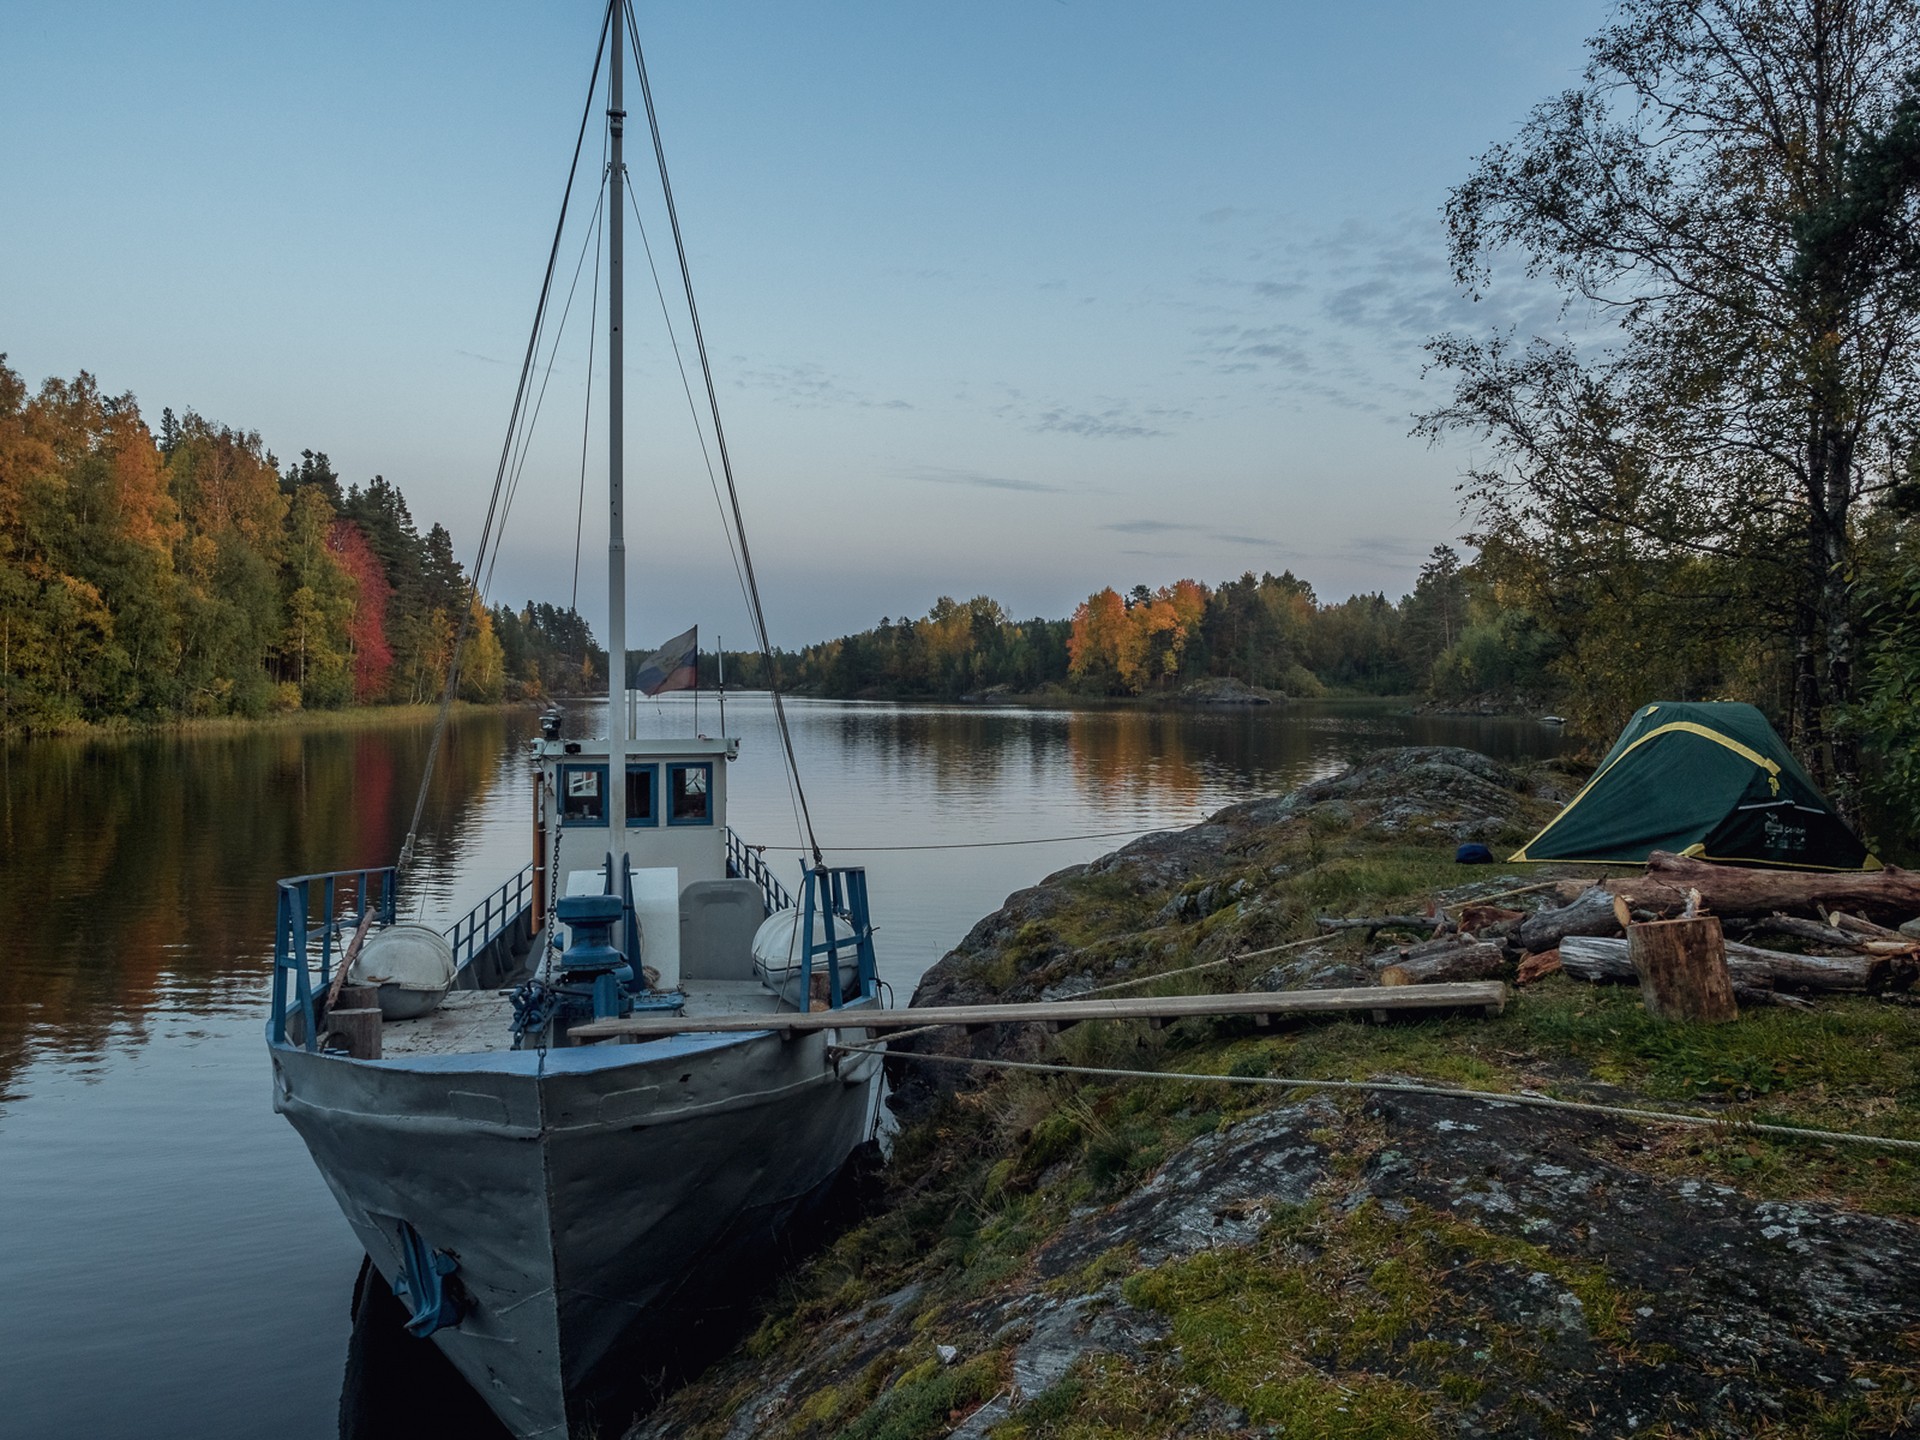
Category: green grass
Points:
column 1325, row 1325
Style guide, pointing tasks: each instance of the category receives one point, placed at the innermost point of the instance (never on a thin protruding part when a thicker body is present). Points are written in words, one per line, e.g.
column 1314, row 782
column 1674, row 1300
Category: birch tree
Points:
column 1726, row 204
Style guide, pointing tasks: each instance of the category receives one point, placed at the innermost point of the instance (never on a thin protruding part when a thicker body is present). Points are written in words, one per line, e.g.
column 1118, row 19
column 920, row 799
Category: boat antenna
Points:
column 506, row 452
column 756, row 611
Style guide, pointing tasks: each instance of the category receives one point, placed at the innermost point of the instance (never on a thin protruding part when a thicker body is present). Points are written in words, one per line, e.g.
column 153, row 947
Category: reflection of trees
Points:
column 143, row 867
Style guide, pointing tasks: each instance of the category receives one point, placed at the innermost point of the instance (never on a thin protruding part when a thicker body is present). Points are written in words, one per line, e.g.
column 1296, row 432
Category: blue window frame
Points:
column 690, row 794
column 583, row 795
column 643, row 793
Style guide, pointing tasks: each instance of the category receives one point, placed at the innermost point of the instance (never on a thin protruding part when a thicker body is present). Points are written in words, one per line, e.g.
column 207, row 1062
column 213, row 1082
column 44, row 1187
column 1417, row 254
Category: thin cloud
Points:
column 808, row 387
column 1114, row 423
column 1148, row 527
column 941, row 475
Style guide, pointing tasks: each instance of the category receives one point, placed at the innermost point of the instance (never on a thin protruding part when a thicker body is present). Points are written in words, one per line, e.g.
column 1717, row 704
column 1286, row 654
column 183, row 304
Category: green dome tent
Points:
column 1707, row 780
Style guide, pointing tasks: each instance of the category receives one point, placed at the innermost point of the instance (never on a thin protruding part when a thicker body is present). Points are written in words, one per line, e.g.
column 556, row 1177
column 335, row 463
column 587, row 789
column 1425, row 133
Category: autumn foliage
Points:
column 367, row 629
column 152, row 577
column 1135, row 646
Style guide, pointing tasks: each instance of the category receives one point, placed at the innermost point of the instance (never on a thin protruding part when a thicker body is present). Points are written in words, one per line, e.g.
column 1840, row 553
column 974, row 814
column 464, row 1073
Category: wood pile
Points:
column 1684, row 931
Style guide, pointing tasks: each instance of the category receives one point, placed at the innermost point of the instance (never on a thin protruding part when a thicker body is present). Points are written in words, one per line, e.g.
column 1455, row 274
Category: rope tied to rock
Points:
column 1732, row 1125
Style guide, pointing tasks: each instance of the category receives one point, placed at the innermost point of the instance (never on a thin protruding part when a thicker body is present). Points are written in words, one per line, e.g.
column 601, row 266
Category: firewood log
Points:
column 1591, row 913
column 1889, row 894
column 1457, row 962
column 1594, row 957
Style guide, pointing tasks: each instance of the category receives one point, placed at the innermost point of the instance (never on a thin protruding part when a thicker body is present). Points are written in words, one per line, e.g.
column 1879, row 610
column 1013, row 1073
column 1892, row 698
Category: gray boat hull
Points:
column 589, row 1196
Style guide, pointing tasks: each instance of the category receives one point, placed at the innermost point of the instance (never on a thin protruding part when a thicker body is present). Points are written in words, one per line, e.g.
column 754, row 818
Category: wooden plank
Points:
column 1490, row 994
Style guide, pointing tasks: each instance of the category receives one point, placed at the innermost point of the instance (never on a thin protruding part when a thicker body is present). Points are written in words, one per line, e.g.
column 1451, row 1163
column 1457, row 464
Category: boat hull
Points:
column 592, row 1197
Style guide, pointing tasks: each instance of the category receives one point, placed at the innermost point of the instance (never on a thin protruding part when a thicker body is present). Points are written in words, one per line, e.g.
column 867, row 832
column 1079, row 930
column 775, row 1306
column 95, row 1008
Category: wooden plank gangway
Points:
column 1489, row 996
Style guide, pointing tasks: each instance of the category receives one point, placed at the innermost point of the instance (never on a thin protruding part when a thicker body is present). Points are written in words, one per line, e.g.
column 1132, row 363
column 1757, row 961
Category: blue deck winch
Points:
column 595, row 977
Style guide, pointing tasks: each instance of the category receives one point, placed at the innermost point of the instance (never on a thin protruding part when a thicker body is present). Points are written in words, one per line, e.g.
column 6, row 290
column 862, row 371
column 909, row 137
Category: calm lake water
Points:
column 171, row 1264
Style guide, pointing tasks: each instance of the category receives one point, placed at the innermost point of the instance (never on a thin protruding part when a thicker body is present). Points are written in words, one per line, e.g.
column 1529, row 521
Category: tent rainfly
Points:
column 1708, row 780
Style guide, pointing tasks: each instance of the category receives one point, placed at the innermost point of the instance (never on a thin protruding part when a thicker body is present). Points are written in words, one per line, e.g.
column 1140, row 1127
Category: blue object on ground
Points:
column 1473, row 855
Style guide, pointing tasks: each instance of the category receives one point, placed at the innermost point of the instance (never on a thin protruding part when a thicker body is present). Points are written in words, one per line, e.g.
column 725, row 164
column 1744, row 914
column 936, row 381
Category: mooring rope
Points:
column 988, row 844
column 1734, row 1125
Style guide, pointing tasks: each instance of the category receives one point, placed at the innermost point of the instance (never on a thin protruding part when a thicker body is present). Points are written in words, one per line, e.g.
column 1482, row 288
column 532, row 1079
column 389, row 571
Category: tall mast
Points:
column 616, row 441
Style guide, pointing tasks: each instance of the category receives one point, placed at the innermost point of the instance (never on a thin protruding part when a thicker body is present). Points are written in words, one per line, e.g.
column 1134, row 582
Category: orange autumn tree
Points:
column 1098, row 645
column 1128, row 645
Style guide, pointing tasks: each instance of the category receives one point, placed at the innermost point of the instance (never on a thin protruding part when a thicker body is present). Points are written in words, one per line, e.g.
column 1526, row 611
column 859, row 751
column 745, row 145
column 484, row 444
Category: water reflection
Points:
column 139, row 870
column 175, row 1266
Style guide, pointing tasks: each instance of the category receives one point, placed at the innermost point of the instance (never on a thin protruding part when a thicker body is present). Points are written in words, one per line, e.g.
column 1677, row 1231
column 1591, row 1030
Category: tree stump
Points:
column 1682, row 965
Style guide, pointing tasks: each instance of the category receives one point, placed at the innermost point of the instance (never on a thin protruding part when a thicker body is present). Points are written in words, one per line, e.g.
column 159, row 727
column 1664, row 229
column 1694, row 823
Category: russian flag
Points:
column 671, row 667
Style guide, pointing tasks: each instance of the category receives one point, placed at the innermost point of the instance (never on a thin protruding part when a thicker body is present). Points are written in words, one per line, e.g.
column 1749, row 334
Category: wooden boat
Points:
column 549, row 1211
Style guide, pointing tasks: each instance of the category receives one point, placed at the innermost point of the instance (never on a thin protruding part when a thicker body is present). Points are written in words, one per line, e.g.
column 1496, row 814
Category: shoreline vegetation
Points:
column 185, row 575
column 1068, row 1255
column 154, row 578
column 347, row 717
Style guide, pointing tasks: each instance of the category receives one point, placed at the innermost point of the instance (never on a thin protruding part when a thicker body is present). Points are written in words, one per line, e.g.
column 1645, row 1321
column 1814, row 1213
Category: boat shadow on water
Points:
column 396, row 1386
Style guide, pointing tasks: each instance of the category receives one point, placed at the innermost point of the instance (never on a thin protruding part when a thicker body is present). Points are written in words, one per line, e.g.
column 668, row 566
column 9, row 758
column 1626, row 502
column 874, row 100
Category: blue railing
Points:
column 492, row 917
column 296, row 928
column 837, row 895
column 744, row 862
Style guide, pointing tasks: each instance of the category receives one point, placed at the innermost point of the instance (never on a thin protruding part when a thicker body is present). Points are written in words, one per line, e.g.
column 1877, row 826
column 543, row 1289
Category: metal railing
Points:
column 839, row 894
column 492, row 917
column 296, row 928
column 744, row 862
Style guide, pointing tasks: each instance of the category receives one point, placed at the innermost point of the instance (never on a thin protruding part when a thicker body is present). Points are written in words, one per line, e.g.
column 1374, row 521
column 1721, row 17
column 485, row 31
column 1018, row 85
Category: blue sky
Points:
column 1017, row 298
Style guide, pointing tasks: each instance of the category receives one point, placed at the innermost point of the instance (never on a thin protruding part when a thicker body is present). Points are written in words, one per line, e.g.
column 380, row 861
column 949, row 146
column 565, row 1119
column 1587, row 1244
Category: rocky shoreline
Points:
column 1073, row 1255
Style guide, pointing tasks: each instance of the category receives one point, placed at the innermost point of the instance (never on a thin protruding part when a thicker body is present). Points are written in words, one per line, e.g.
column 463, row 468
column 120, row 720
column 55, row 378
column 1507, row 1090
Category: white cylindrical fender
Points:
column 413, row 966
column 778, row 958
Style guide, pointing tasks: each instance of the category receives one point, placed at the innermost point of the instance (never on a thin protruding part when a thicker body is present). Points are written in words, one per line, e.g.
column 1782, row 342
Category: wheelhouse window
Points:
column 689, row 794
column 642, row 781
column 583, row 794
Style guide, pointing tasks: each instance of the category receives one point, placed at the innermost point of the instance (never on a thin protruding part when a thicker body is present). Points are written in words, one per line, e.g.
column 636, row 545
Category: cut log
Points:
column 1590, row 913
column 1602, row 958
column 1891, row 894
column 1457, row 962
column 1856, row 925
column 1537, row 967
column 1429, row 924
column 1481, row 919
column 357, row 1031
column 1439, row 945
column 1813, row 930
column 1682, row 965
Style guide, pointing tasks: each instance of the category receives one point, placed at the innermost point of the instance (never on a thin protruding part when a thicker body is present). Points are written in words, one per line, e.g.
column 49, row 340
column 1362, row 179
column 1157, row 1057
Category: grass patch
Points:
column 929, row 1399
column 1313, row 1329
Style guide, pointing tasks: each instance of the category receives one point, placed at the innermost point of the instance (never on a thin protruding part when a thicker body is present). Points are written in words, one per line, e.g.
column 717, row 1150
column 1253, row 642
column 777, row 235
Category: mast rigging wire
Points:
column 506, row 452
column 757, row 612
column 790, row 774
column 586, row 417
column 553, row 354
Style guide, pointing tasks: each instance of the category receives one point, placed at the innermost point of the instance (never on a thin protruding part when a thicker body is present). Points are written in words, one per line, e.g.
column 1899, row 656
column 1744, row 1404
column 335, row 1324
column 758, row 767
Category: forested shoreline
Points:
column 1270, row 631
column 182, row 575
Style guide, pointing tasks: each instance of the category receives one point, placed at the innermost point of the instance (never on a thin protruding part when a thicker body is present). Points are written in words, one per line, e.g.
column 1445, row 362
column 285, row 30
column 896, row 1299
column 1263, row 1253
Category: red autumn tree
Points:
column 367, row 631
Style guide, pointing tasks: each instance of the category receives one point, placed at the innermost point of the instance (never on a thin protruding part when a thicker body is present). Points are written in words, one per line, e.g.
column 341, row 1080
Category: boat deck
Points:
column 473, row 1021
